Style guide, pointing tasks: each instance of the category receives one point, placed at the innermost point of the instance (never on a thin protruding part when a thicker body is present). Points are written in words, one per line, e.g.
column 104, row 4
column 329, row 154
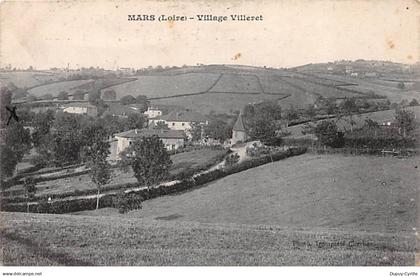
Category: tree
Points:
column 144, row 102
column 30, row 190
column 405, row 120
column 62, row 96
column 135, row 120
column 328, row 134
column 109, row 94
column 8, row 162
column 413, row 102
column 66, row 140
column 231, row 159
column 94, row 96
column 149, row 160
column 5, row 101
column 128, row 99
column 100, row 169
column 196, row 131
column 161, row 125
column 218, row 130
column 18, row 139
column 262, row 129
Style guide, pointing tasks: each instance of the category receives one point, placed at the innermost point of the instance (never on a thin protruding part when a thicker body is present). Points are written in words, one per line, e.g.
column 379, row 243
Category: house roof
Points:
column 183, row 116
column 239, row 125
column 161, row 133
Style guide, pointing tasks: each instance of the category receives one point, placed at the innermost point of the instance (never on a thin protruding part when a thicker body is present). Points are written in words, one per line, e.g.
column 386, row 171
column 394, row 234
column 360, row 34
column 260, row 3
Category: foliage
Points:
column 136, row 120
column 5, row 100
column 196, row 131
column 63, row 95
column 100, row 169
column 149, row 160
column 231, row 159
column 413, row 102
column 8, row 162
column 17, row 138
column 143, row 101
column 126, row 202
column 261, row 129
column 30, row 188
column 328, row 134
column 94, row 96
column 128, row 99
column 161, row 125
column 348, row 106
column 218, row 130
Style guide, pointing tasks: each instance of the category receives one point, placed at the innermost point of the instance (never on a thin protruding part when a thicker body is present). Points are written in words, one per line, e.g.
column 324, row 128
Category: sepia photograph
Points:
column 239, row 133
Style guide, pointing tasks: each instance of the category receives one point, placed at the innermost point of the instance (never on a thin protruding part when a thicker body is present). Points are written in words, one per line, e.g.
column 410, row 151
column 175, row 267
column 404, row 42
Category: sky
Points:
column 46, row 34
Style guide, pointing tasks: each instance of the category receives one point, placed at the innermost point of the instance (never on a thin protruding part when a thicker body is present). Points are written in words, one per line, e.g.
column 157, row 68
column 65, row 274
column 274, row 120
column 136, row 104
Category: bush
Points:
column 127, row 201
column 231, row 159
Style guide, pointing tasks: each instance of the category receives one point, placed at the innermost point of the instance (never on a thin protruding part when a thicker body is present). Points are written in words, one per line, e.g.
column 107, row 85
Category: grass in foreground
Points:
column 41, row 239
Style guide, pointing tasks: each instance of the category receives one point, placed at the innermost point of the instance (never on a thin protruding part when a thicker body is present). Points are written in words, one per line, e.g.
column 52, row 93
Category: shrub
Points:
column 127, row 201
column 231, row 159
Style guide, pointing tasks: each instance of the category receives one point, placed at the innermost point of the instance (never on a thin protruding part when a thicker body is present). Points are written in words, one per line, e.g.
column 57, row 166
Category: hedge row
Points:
column 75, row 205
column 182, row 175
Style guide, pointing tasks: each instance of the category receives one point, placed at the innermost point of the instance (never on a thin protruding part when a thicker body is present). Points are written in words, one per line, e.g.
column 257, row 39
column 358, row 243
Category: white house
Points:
column 172, row 139
column 153, row 112
column 81, row 108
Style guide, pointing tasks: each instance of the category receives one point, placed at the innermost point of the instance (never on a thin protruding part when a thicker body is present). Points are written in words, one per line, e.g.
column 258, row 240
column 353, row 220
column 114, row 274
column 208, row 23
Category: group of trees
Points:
column 371, row 134
column 262, row 120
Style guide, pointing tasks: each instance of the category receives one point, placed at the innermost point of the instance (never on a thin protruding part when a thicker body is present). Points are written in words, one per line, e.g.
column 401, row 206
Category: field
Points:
column 351, row 193
column 163, row 86
column 181, row 161
column 290, row 212
column 56, row 87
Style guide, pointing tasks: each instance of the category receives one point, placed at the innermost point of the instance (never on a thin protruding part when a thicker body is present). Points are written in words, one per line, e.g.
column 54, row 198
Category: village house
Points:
column 81, row 108
column 153, row 112
column 239, row 133
column 181, row 120
column 172, row 139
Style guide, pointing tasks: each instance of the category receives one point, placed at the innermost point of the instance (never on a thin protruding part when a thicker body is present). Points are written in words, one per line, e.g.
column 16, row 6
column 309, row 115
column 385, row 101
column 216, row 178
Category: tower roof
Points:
column 239, row 125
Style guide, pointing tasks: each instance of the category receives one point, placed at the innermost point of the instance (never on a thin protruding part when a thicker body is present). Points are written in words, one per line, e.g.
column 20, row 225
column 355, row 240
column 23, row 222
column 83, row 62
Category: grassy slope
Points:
column 41, row 239
column 162, row 86
column 352, row 193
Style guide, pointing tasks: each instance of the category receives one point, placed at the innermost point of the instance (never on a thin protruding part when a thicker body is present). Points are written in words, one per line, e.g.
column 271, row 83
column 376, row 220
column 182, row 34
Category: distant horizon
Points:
column 197, row 65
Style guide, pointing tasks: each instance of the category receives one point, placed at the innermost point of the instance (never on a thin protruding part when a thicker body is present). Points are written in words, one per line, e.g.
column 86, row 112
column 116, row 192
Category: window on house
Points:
column 173, row 124
column 183, row 124
column 173, row 146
